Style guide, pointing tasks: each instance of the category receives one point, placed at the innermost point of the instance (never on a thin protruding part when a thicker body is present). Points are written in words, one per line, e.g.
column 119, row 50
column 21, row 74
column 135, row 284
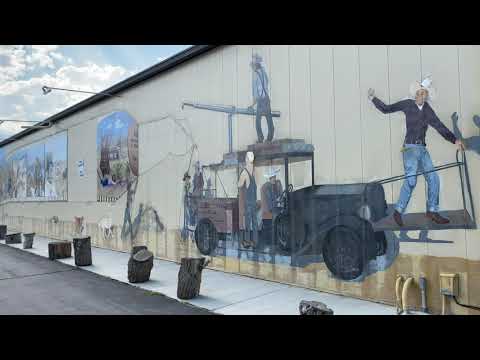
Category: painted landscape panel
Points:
column 117, row 154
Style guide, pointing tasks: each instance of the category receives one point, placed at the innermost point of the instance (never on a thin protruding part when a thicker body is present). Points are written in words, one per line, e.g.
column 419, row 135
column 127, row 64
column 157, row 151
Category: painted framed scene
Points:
column 117, row 155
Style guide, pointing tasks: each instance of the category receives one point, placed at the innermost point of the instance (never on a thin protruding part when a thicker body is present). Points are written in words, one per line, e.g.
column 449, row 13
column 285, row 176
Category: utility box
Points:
column 449, row 284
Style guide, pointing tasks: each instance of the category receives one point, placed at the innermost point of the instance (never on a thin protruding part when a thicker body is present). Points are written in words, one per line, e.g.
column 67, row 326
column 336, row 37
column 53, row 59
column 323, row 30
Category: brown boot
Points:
column 398, row 218
column 436, row 218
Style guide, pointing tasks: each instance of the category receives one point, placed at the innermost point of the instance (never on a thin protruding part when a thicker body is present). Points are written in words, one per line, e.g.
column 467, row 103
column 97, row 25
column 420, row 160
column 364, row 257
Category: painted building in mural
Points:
column 275, row 161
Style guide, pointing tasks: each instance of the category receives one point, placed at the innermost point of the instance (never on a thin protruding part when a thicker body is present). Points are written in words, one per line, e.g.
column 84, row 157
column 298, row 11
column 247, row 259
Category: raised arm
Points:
column 386, row 109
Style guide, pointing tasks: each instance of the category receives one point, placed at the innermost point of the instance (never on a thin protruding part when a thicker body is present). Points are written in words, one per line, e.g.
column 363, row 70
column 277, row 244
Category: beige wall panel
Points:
column 376, row 129
column 445, row 78
column 404, row 68
column 264, row 52
column 280, row 89
column 348, row 130
column 323, row 116
column 469, row 58
column 82, row 145
column 229, row 91
column 245, row 125
column 300, row 94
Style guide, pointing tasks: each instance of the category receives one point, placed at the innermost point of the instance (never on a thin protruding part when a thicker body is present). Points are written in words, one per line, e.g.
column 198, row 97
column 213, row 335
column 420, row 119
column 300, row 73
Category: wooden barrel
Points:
column 190, row 277
column 13, row 238
column 28, row 240
column 59, row 250
column 3, row 231
column 82, row 251
column 140, row 266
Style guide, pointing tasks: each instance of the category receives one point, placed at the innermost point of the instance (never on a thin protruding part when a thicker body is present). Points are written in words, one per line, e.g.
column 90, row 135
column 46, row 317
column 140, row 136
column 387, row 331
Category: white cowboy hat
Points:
column 271, row 172
column 425, row 84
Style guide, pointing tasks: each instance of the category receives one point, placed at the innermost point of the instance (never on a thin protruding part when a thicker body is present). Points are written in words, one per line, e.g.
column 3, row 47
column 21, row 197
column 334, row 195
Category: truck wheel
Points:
column 206, row 237
column 344, row 252
column 381, row 242
column 282, row 234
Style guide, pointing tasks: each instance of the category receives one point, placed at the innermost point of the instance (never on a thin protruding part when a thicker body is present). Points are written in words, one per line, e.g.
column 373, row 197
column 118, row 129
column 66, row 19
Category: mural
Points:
column 37, row 172
column 56, row 168
column 289, row 219
column 3, row 176
column 117, row 155
column 118, row 175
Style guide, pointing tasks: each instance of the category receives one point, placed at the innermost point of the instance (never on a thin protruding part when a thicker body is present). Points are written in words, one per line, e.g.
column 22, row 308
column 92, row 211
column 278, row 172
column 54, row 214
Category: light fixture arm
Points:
column 48, row 89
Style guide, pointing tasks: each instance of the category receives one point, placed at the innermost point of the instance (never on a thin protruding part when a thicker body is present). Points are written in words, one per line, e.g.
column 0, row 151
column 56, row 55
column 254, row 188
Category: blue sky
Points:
column 24, row 69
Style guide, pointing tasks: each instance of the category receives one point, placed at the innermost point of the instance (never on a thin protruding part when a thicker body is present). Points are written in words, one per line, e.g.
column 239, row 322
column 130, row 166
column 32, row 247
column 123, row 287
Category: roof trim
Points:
column 136, row 79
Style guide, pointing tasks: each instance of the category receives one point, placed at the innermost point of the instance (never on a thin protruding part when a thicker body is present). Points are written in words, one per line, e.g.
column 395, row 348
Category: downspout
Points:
column 398, row 293
column 406, row 287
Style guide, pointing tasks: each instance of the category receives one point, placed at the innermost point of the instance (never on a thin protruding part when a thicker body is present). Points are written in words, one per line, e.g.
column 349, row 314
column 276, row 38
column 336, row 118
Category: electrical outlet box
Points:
column 449, row 284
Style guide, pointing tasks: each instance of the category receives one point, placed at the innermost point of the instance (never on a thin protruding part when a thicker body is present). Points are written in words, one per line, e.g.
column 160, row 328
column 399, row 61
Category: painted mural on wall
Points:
column 349, row 227
column 3, row 176
column 56, row 168
column 37, row 172
column 117, row 154
column 118, row 175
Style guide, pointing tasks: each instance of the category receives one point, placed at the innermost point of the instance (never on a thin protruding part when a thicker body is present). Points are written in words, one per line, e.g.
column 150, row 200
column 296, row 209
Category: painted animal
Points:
column 79, row 226
column 106, row 227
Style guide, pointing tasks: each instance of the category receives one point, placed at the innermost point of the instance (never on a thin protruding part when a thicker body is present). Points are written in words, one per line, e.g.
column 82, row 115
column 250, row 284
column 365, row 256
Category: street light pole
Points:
column 48, row 89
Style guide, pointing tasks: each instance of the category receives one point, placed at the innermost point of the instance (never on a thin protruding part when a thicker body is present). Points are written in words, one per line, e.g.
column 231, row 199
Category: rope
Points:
column 467, row 306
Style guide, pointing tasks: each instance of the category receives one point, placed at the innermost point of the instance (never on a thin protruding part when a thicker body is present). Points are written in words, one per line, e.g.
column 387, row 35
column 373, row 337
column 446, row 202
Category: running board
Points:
column 459, row 219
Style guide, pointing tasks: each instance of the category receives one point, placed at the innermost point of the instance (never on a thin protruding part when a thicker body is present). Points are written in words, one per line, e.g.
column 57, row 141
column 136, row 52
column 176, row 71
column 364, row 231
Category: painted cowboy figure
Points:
column 198, row 183
column 261, row 98
column 271, row 192
column 248, row 186
column 419, row 115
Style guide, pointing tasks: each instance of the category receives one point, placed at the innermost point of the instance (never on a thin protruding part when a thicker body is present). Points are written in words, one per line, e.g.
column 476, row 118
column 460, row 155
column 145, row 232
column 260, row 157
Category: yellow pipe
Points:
column 406, row 287
column 398, row 293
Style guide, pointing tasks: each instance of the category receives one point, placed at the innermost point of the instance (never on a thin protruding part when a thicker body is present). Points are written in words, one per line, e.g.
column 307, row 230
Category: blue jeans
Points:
column 417, row 159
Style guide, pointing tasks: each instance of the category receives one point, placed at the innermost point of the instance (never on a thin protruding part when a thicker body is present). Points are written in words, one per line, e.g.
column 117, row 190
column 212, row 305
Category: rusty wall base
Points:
column 378, row 287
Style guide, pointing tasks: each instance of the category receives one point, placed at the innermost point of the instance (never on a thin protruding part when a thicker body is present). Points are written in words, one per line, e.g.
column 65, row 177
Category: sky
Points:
column 24, row 69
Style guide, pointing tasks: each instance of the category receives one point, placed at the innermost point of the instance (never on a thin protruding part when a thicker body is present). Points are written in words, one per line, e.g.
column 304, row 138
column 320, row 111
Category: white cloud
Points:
column 12, row 62
column 42, row 56
column 36, row 106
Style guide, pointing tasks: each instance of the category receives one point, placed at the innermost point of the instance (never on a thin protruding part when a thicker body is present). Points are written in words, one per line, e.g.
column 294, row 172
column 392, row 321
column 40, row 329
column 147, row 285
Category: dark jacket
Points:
column 417, row 120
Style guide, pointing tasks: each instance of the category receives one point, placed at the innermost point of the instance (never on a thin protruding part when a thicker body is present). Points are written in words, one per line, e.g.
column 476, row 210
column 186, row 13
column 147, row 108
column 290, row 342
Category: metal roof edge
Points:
column 133, row 80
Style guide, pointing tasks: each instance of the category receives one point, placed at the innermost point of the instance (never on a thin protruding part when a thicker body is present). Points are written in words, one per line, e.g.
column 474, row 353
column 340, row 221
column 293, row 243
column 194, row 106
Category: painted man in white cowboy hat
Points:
column 419, row 115
column 271, row 191
column 261, row 98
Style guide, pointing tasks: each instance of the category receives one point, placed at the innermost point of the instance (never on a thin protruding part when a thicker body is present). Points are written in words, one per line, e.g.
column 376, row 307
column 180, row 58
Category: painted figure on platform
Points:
column 271, row 192
column 261, row 98
column 198, row 182
column 247, row 184
column 416, row 158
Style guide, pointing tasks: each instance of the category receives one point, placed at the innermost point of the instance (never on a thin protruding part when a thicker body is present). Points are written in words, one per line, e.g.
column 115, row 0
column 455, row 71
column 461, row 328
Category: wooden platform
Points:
column 459, row 219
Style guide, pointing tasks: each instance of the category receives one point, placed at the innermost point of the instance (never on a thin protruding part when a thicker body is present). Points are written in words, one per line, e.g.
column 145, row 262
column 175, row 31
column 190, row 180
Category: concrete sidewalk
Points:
column 222, row 293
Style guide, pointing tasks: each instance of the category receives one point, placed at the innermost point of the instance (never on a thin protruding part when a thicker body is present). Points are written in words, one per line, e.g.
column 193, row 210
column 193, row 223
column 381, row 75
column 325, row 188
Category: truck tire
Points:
column 345, row 250
column 381, row 242
column 282, row 236
column 206, row 237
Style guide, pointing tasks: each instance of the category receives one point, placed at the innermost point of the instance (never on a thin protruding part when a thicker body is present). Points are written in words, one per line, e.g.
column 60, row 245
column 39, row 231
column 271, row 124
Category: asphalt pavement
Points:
column 34, row 285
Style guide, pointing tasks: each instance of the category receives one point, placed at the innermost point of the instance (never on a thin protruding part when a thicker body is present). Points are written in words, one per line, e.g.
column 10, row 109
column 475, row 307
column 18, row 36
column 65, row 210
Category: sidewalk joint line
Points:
column 248, row 299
